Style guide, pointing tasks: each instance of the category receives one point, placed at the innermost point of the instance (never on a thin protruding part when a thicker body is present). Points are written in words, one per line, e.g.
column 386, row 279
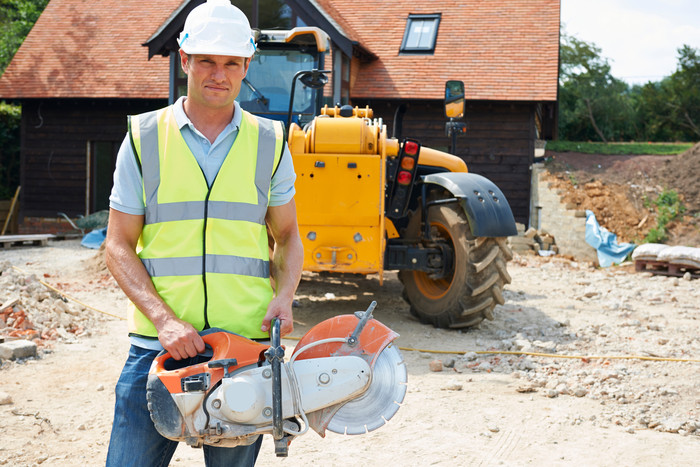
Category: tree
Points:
column 17, row 17
column 684, row 84
column 669, row 110
column 592, row 103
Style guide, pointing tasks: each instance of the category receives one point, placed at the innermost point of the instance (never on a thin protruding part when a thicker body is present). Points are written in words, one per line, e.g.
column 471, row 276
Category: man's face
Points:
column 213, row 81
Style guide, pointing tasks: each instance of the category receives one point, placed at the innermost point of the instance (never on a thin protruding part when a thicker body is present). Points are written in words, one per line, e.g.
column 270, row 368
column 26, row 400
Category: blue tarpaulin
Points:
column 94, row 239
column 605, row 243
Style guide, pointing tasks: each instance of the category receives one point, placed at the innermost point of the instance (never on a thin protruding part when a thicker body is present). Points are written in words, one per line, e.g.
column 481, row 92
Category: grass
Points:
column 668, row 208
column 662, row 149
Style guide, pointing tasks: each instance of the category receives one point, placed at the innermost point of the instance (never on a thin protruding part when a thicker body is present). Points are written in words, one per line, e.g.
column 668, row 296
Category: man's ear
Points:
column 247, row 64
column 184, row 59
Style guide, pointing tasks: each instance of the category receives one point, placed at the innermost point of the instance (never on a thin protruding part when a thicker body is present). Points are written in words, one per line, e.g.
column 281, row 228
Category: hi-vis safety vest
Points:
column 206, row 249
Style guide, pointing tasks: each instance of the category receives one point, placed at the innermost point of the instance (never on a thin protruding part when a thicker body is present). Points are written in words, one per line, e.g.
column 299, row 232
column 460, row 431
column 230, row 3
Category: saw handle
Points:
column 275, row 356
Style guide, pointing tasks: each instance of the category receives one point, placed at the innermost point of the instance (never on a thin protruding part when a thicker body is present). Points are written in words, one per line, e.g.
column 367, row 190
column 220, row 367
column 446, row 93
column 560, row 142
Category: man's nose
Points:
column 219, row 73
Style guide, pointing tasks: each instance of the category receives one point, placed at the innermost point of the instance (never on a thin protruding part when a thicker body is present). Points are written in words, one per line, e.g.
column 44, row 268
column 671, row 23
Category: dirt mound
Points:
column 619, row 189
column 97, row 265
column 683, row 174
column 612, row 206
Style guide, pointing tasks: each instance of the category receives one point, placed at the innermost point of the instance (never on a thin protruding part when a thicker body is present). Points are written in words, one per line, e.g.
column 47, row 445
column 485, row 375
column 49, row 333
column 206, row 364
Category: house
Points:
column 394, row 56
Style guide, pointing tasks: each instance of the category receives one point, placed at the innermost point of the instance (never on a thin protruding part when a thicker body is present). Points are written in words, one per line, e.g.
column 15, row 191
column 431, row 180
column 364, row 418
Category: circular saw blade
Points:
column 379, row 402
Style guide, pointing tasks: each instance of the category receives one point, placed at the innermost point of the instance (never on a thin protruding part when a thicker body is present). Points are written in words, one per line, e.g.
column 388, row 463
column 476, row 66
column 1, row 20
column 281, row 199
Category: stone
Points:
column 5, row 398
column 493, row 429
column 452, row 385
column 435, row 365
column 17, row 349
column 687, row 276
column 448, row 363
column 526, row 364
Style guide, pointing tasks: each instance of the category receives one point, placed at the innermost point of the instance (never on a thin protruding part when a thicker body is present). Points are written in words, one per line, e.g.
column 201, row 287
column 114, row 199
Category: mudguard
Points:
column 484, row 204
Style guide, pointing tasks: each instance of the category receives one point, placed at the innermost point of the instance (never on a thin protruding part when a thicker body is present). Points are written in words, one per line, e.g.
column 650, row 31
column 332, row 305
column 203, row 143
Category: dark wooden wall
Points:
column 55, row 134
column 499, row 143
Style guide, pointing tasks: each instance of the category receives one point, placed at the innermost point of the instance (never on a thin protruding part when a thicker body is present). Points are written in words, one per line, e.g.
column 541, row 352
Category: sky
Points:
column 639, row 38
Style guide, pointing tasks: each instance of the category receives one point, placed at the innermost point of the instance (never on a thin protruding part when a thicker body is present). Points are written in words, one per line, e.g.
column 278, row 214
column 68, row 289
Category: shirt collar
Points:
column 182, row 119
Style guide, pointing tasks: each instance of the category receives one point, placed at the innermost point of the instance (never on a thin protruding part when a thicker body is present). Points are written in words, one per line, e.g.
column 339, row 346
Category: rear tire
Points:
column 468, row 294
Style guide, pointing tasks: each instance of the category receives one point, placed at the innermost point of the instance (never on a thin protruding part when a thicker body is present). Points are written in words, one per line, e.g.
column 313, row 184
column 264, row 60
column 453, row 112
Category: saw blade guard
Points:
column 373, row 343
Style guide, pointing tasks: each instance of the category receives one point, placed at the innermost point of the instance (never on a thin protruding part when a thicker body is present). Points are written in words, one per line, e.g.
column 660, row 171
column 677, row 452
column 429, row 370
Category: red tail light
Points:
column 410, row 148
column 403, row 178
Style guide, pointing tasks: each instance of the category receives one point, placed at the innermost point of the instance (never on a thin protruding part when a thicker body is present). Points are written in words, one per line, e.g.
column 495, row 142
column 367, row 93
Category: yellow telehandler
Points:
column 368, row 203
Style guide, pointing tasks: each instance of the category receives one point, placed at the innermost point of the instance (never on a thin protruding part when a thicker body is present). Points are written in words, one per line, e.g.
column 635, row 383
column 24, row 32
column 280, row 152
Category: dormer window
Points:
column 420, row 34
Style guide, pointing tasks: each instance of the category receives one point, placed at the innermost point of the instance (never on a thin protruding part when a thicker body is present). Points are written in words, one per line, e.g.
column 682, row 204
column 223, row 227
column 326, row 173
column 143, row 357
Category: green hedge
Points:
column 618, row 148
column 10, row 117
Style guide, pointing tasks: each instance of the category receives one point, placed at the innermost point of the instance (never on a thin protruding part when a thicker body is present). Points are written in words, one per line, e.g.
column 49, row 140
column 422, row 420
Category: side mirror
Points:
column 454, row 99
column 314, row 79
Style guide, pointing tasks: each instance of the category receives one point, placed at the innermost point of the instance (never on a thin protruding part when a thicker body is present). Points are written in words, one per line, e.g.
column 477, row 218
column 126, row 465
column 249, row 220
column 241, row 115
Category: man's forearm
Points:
column 132, row 277
column 286, row 264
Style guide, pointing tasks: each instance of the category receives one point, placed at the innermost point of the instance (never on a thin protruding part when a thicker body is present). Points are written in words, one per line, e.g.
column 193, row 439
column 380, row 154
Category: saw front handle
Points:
column 275, row 356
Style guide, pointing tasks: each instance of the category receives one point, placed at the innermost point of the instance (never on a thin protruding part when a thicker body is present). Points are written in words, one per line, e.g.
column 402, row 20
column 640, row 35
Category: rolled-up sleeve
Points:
column 282, row 185
column 127, row 191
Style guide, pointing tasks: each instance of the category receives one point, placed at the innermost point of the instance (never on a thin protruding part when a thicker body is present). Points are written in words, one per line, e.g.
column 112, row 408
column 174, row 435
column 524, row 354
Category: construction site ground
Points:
column 567, row 394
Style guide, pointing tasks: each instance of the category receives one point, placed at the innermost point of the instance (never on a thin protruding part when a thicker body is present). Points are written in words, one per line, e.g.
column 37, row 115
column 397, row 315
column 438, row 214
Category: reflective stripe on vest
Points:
column 216, row 234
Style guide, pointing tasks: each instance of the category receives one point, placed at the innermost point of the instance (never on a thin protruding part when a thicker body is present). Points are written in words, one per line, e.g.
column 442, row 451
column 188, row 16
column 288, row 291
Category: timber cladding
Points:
column 499, row 143
column 56, row 136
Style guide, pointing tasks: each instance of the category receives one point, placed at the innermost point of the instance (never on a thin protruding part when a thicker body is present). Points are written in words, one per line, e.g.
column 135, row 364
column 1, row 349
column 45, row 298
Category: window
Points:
column 420, row 34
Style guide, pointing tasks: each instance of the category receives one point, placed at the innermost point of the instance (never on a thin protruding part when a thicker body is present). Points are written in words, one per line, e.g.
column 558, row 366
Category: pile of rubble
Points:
column 32, row 312
column 533, row 242
column 605, row 316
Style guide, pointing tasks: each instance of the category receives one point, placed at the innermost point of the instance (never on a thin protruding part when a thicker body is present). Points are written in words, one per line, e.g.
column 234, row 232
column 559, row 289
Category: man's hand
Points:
column 180, row 339
column 282, row 310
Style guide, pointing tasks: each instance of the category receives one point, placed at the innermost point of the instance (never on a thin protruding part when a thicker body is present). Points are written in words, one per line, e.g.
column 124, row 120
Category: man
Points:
column 196, row 186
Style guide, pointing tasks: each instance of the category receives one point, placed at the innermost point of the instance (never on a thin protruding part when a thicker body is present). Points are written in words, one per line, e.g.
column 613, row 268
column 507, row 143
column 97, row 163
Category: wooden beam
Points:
column 12, row 209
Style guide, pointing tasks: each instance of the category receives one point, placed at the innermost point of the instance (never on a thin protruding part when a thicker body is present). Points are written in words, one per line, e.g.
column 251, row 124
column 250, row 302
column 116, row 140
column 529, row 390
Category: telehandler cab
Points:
column 368, row 203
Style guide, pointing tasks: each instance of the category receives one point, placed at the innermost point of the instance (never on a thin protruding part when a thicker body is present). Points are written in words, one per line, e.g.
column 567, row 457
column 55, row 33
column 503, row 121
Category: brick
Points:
column 17, row 349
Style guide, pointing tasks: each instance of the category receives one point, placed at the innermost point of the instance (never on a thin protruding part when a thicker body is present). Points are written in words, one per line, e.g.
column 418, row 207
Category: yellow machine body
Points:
column 340, row 163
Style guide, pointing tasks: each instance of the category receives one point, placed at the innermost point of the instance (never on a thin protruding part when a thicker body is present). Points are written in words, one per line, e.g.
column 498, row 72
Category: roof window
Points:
column 420, row 34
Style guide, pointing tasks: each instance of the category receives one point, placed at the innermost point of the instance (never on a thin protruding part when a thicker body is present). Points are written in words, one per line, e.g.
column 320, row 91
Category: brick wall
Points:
column 46, row 225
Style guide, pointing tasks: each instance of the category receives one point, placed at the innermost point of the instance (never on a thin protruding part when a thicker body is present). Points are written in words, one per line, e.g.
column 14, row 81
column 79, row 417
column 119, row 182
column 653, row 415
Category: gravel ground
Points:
column 597, row 408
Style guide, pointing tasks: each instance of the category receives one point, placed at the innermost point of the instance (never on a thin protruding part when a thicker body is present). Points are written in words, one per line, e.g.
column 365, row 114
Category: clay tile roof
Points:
column 91, row 49
column 502, row 50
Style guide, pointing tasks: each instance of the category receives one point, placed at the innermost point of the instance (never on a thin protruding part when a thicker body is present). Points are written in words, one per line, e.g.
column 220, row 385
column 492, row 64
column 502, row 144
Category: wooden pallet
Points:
column 9, row 241
column 664, row 268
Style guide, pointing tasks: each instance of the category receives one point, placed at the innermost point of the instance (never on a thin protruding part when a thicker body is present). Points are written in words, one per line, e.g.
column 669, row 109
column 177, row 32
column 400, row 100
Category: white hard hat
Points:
column 217, row 28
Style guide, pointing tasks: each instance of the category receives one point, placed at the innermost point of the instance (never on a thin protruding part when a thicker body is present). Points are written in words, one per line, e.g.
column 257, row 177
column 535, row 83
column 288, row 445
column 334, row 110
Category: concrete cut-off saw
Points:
column 344, row 375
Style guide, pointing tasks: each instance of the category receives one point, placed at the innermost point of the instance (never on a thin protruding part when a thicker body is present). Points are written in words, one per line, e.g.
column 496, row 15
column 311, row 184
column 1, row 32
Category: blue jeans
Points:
column 136, row 442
